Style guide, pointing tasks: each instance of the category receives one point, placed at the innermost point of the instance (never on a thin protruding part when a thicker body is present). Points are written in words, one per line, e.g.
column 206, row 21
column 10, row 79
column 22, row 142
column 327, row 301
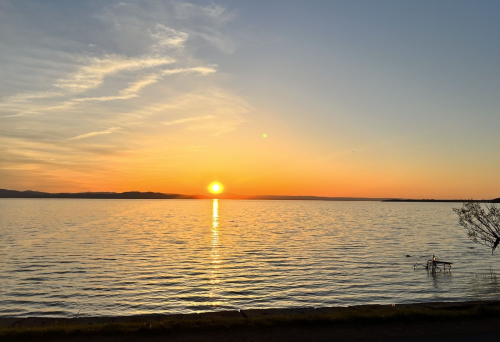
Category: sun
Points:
column 215, row 188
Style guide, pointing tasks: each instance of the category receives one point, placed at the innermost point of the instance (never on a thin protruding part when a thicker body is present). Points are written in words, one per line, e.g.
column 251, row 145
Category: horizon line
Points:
column 5, row 193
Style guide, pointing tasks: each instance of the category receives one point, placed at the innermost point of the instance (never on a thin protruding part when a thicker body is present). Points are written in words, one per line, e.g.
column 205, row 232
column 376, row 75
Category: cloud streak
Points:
column 92, row 76
column 201, row 70
column 168, row 38
column 133, row 89
column 130, row 92
column 34, row 95
column 191, row 119
column 92, row 134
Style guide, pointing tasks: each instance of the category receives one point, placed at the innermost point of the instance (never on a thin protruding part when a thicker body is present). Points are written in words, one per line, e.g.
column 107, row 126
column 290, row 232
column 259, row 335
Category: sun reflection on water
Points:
column 215, row 255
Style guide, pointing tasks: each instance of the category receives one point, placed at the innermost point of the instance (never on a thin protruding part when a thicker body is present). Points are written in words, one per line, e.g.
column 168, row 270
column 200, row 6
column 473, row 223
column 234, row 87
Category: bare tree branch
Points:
column 483, row 226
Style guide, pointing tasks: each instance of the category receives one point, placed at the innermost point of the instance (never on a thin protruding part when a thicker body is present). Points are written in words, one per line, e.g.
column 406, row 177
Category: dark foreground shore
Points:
column 457, row 321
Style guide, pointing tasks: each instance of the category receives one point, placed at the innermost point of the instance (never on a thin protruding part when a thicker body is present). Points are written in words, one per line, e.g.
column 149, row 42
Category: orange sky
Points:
column 171, row 96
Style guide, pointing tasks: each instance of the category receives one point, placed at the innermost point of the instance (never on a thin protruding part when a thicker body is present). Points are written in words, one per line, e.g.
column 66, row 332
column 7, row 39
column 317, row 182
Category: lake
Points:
column 62, row 257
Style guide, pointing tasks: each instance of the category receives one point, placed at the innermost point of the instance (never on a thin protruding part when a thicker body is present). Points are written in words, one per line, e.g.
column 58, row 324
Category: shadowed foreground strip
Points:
column 478, row 321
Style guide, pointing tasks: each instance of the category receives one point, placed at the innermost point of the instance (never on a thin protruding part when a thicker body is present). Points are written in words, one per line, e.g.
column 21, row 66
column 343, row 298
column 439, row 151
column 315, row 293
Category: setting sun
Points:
column 215, row 188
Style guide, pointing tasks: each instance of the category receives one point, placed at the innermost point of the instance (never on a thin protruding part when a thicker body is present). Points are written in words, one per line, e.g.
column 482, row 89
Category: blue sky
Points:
column 171, row 95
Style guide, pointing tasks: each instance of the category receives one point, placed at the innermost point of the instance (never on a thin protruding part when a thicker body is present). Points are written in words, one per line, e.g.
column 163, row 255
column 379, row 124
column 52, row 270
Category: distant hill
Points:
column 313, row 198
column 157, row 195
column 496, row 200
column 94, row 195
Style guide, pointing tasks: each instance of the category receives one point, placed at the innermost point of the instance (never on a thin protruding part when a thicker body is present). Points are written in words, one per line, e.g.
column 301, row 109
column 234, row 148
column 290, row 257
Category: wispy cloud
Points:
column 91, row 76
column 20, row 114
column 168, row 38
column 91, row 134
column 181, row 121
column 134, row 88
column 131, row 91
column 135, row 67
column 200, row 70
column 188, row 10
column 34, row 95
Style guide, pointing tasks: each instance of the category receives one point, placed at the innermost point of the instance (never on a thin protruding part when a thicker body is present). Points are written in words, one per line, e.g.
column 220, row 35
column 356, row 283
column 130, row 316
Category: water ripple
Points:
column 116, row 257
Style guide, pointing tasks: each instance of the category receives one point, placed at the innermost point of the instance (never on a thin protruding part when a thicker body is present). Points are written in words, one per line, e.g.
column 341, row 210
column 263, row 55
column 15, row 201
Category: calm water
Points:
column 117, row 257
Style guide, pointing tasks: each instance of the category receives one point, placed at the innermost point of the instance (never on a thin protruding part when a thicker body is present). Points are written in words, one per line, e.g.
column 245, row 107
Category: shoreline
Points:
column 243, row 313
column 418, row 319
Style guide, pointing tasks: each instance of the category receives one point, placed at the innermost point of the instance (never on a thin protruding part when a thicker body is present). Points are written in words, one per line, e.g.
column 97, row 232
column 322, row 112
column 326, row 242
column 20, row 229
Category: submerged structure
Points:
column 434, row 265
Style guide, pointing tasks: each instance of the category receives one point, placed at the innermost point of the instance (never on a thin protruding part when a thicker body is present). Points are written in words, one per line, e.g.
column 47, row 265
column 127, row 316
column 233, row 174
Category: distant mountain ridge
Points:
column 158, row 195
column 91, row 195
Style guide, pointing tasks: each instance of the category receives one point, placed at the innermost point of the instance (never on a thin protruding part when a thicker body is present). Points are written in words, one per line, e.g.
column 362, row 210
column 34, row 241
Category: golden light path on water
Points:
column 215, row 255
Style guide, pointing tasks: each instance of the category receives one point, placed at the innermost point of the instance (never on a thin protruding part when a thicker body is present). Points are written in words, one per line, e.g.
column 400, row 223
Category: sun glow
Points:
column 215, row 188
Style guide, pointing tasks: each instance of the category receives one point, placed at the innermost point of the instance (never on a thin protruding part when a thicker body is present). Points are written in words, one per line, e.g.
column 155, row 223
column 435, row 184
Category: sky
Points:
column 324, row 98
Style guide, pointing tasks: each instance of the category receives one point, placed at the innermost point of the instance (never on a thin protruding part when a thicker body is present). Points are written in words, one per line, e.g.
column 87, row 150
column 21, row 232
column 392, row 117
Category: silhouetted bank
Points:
column 93, row 195
column 158, row 195
column 496, row 200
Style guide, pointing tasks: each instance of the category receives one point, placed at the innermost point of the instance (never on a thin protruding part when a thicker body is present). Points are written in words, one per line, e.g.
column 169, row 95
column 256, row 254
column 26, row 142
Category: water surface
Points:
column 59, row 257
